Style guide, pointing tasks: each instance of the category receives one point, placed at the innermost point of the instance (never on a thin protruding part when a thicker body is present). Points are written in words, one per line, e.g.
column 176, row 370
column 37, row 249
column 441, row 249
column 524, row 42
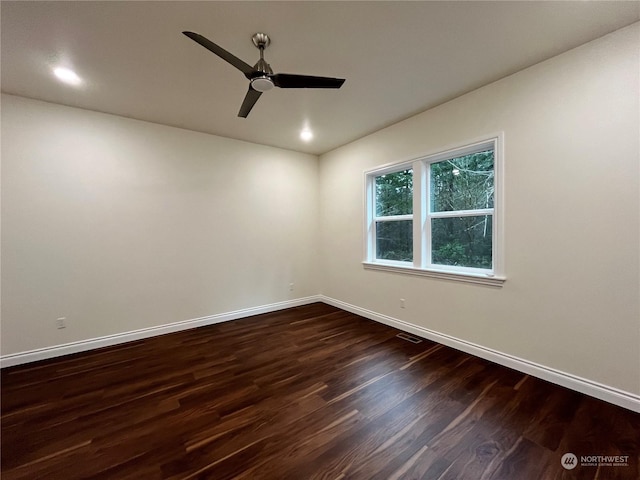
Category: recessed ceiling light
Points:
column 306, row 135
column 67, row 76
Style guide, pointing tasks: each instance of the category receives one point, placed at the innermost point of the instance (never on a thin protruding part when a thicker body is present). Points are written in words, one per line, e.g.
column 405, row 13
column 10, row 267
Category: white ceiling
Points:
column 399, row 58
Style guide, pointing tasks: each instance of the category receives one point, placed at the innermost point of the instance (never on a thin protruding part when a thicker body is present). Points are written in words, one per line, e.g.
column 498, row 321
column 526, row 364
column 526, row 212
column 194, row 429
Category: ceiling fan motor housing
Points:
column 263, row 66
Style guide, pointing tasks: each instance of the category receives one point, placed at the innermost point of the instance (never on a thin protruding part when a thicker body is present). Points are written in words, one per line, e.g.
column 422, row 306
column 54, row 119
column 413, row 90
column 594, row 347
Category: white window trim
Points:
column 422, row 223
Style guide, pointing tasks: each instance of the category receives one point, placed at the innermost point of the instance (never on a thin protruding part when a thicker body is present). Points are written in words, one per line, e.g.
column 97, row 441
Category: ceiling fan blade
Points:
column 250, row 100
column 244, row 67
column 288, row 80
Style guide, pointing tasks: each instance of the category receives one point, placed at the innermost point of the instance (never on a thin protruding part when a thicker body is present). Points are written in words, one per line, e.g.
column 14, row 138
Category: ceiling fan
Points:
column 261, row 77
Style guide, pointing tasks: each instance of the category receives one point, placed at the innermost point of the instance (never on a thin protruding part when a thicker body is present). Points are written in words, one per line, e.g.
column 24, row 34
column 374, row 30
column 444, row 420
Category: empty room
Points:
column 320, row 240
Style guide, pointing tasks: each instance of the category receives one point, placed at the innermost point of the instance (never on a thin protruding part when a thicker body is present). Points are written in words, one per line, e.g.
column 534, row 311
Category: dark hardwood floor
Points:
column 306, row 393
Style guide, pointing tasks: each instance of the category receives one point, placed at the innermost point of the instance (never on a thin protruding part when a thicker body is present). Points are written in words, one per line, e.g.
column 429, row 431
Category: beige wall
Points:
column 120, row 225
column 571, row 299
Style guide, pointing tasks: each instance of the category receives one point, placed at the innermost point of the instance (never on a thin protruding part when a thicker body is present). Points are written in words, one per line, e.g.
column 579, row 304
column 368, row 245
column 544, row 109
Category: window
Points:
column 438, row 215
column 394, row 216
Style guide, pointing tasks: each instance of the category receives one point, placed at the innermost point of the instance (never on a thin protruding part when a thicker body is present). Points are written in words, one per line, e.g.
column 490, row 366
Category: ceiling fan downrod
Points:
column 262, row 83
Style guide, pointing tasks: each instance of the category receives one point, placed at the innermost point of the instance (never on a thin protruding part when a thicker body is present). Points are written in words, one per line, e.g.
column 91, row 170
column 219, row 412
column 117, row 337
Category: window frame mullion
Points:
column 461, row 213
column 393, row 218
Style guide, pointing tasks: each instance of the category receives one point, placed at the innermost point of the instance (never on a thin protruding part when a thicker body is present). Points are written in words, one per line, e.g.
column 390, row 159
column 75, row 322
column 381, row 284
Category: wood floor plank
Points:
column 310, row 392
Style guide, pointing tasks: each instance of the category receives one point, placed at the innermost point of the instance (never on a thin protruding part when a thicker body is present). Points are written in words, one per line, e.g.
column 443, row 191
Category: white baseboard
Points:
column 93, row 343
column 609, row 394
column 603, row 392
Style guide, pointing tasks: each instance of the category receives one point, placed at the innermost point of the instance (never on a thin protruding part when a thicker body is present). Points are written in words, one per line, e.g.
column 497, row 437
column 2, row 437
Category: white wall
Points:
column 571, row 299
column 119, row 225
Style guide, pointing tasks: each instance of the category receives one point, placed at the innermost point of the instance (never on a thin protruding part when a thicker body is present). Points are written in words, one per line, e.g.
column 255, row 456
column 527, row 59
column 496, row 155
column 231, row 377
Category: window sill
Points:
column 479, row 279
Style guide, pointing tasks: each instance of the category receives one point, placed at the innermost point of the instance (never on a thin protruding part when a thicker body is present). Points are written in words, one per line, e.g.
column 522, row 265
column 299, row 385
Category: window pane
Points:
column 394, row 240
column 462, row 183
column 462, row 241
column 394, row 193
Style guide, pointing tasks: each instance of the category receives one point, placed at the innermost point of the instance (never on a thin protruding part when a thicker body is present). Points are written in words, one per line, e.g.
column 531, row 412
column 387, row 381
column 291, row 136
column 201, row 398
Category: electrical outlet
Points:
column 61, row 322
column 402, row 303
column 291, row 287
